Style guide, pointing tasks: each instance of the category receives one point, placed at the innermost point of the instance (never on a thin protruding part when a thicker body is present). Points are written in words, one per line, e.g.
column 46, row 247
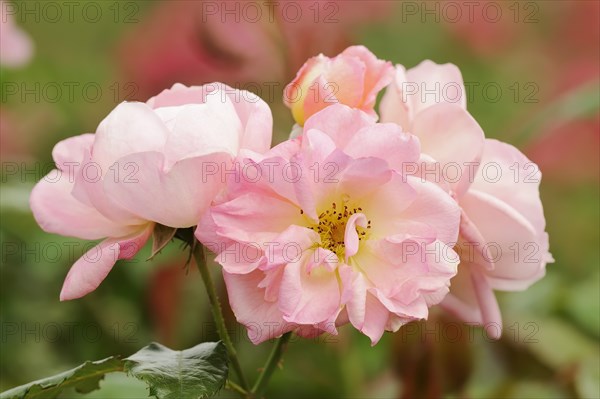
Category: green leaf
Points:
column 582, row 303
column 558, row 344
column 198, row 372
column 83, row 378
column 587, row 379
column 115, row 385
column 535, row 389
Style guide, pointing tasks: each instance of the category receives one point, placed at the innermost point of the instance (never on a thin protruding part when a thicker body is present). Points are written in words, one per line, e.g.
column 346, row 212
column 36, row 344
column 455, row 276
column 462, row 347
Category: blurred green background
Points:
column 532, row 73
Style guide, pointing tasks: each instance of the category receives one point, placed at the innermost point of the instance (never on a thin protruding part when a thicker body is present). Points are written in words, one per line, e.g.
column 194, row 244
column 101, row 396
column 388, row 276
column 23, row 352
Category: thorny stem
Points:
column 215, row 306
column 236, row 388
column 272, row 362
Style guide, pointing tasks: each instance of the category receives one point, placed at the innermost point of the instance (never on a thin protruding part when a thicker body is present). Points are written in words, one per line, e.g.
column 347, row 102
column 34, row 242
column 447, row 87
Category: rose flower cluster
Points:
column 361, row 217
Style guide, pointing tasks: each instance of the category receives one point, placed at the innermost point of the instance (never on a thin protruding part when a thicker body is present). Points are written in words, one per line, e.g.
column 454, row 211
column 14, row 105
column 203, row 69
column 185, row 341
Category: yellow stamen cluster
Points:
column 332, row 227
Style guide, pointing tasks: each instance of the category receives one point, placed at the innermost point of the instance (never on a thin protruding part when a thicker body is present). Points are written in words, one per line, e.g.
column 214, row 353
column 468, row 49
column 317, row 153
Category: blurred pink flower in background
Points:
column 578, row 160
column 498, row 213
column 566, row 149
column 144, row 165
column 569, row 51
column 487, row 27
column 165, row 296
column 353, row 78
column 197, row 42
column 12, row 144
column 16, row 50
column 575, row 46
column 16, row 47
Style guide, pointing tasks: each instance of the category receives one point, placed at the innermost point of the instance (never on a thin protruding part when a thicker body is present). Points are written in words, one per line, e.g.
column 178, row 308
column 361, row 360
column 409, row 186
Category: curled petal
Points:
column 92, row 268
column 511, row 239
column 490, row 312
column 351, row 240
column 508, row 175
column 309, row 297
column 378, row 73
column 68, row 153
column 262, row 318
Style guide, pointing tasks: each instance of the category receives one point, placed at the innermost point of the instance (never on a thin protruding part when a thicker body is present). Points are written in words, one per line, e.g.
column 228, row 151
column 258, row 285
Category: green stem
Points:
column 272, row 362
column 236, row 388
column 217, row 313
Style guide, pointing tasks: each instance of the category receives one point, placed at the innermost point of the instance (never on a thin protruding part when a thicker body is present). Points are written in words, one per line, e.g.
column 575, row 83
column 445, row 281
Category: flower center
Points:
column 332, row 227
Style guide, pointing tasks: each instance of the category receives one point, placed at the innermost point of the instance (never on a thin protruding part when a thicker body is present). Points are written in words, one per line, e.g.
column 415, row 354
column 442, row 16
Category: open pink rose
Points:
column 147, row 163
column 502, row 242
column 353, row 78
column 16, row 47
column 311, row 236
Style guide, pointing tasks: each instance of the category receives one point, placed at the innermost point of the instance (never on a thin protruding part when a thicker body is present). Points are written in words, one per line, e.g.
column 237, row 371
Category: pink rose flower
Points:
column 502, row 242
column 311, row 236
column 147, row 163
column 353, row 78
column 16, row 47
